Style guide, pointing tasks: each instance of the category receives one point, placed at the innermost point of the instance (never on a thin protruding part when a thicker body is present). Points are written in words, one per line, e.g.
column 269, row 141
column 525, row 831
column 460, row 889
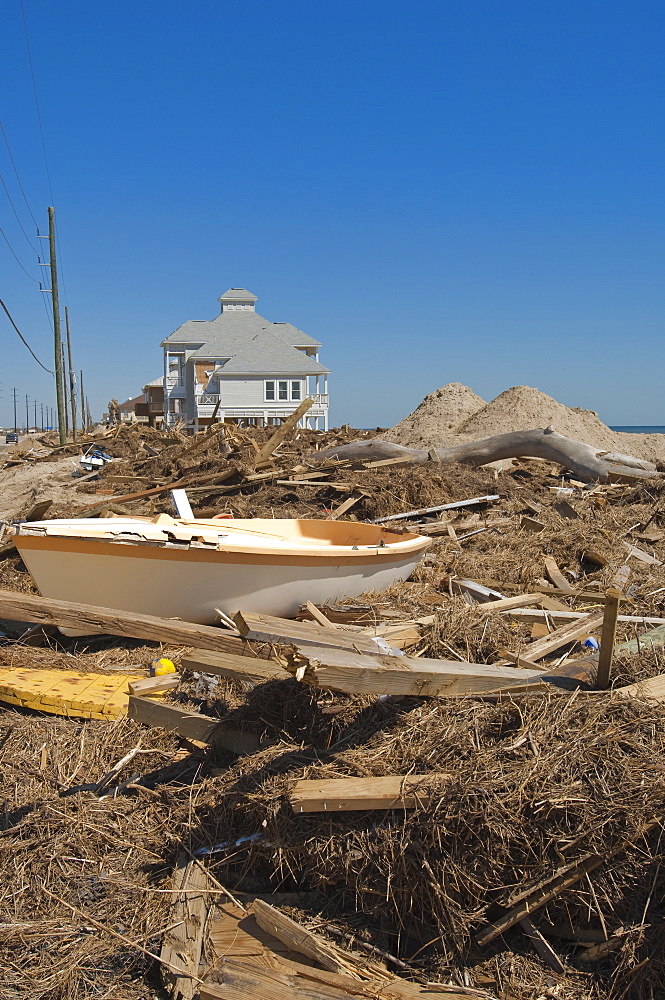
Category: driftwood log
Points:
column 585, row 462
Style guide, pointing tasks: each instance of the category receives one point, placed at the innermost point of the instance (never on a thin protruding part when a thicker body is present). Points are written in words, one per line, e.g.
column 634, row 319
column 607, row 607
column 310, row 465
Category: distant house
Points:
column 242, row 368
column 151, row 406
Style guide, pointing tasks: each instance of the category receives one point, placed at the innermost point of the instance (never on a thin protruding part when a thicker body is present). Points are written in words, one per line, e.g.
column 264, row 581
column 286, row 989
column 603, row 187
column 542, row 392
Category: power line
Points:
column 34, row 87
column 9, row 317
column 25, row 199
column 41, row 132
column 4, row 236
column 9, row 199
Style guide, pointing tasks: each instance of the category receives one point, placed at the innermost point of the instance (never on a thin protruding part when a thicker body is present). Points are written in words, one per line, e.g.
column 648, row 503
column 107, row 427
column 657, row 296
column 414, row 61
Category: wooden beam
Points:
column 534, row 614
column 283, row 431
column 542, row 946
column 192, row 726
column 343, row 507
column 90, row 619
column 241, row 668
column 608, row 637
column 394, row 791
column 651, row 689
column 154, row 685
column 507, row 603
column 282, row 631
column 434, row 510
column 299, row 939
column 556, row 576
column 354, row 673
column 183, row 940
column 562, row 636
column 531, row 900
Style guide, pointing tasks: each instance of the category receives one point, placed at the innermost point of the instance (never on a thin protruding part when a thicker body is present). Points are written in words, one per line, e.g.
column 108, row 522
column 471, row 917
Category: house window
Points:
column 283, row 390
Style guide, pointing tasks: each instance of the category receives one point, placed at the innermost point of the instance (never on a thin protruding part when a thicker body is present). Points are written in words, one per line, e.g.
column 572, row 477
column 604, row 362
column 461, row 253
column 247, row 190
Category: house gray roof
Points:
column 252, row 344
column 155, row 382
column 237, row 295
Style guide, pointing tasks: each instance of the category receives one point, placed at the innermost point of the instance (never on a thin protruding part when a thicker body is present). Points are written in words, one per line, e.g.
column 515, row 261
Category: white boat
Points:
column 187, row 569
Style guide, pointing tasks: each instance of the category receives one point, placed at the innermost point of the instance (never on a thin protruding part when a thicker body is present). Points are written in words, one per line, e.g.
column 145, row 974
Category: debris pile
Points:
column 454, row 786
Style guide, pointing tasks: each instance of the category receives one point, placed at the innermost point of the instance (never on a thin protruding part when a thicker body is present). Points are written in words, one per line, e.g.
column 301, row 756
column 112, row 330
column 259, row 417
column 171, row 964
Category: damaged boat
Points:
column 191, row 568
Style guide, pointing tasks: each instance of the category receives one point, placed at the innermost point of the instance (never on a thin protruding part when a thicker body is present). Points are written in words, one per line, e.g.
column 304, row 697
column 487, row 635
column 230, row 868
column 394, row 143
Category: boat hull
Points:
column 191, row 584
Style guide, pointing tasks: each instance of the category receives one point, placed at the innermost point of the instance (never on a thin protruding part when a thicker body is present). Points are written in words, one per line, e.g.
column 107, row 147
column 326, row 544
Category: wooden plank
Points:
column 556, row 576
column 535, row 614
column 531, row 524
column 298, row 938
column 394, row 791
column 183, row 940
column 532, row 899
column 154, row 685
column 319, row 616
column 282, row 432
column 651, row 689
column 608, row 637
column 343, row 507
column 90, row 619
column 562, row 636
column 354, row 673
column 552, row 604
column 192, row 726
column 435, row 510
column 542, row 946
column 282, row 631
column 243, row 668
column 645, row 557
column 506, row 603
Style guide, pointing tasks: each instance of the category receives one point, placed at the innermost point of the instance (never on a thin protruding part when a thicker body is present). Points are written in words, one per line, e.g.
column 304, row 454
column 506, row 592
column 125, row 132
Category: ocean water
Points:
column 640, row 430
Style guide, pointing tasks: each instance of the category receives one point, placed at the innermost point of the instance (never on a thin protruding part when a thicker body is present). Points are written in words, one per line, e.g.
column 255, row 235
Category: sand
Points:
column 439, row 416
column 21, row 486
column 455, row 414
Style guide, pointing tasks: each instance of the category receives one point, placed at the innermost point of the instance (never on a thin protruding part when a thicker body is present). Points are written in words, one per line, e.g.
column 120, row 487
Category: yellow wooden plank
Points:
column 66, row 692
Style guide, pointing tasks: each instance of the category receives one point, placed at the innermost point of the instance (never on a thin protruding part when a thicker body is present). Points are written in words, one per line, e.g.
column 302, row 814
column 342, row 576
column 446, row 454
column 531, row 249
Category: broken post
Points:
column 607, row 636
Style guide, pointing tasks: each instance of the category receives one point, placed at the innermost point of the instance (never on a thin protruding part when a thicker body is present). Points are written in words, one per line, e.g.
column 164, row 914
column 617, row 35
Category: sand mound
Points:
column 454, row 414
column 437, row 419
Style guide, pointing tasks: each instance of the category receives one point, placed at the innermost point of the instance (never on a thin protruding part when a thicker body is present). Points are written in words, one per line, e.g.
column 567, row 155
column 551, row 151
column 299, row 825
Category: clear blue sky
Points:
column 437, row 191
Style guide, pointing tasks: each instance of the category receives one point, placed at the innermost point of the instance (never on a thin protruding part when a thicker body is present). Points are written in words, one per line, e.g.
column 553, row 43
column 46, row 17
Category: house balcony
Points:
column 277, row 409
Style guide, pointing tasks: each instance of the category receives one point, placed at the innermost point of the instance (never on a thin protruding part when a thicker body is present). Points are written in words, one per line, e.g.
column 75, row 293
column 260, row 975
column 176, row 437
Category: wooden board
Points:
column 67, row 692
column 282, row 631
column 183, row 941
column 154, row 685
column 506, row 603
column 569, row 632
column 354, row 673
column 244, row 668
column 193, row 726
column 281, row 432
column 90, row 619
column 534, row 614
column 556, row 576
column 393, row 791
column 651, row 689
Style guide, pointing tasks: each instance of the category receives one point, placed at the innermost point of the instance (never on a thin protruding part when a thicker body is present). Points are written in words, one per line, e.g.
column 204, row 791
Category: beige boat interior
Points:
column 249, row 534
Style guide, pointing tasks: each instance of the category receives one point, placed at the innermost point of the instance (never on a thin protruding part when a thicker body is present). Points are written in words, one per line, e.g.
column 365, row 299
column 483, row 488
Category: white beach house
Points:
column 242, row 368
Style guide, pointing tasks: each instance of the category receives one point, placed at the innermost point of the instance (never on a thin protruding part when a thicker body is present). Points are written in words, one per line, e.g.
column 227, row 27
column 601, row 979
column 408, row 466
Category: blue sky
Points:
column 438, row 192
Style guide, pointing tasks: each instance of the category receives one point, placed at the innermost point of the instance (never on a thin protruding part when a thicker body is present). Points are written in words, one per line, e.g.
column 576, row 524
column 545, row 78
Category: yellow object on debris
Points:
column 162, row 666
column 67, row 692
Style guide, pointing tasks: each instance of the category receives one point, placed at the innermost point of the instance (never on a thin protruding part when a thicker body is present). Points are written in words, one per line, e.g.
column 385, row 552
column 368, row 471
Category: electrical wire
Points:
column 9, row 317
column 34, row 87
column 4, row 236
column 9, row 199
column 11, row 157
column 41, row 132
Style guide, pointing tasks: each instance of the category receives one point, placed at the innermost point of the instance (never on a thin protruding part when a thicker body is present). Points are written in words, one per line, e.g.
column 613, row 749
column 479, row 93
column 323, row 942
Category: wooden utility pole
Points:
column 82, row 394
column 59, row 382
column 64, row 392
column 72, row 375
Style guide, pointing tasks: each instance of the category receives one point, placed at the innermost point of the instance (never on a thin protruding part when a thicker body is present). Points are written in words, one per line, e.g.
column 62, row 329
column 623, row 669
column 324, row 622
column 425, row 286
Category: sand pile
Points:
column 438, row 418
column 437, row 423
